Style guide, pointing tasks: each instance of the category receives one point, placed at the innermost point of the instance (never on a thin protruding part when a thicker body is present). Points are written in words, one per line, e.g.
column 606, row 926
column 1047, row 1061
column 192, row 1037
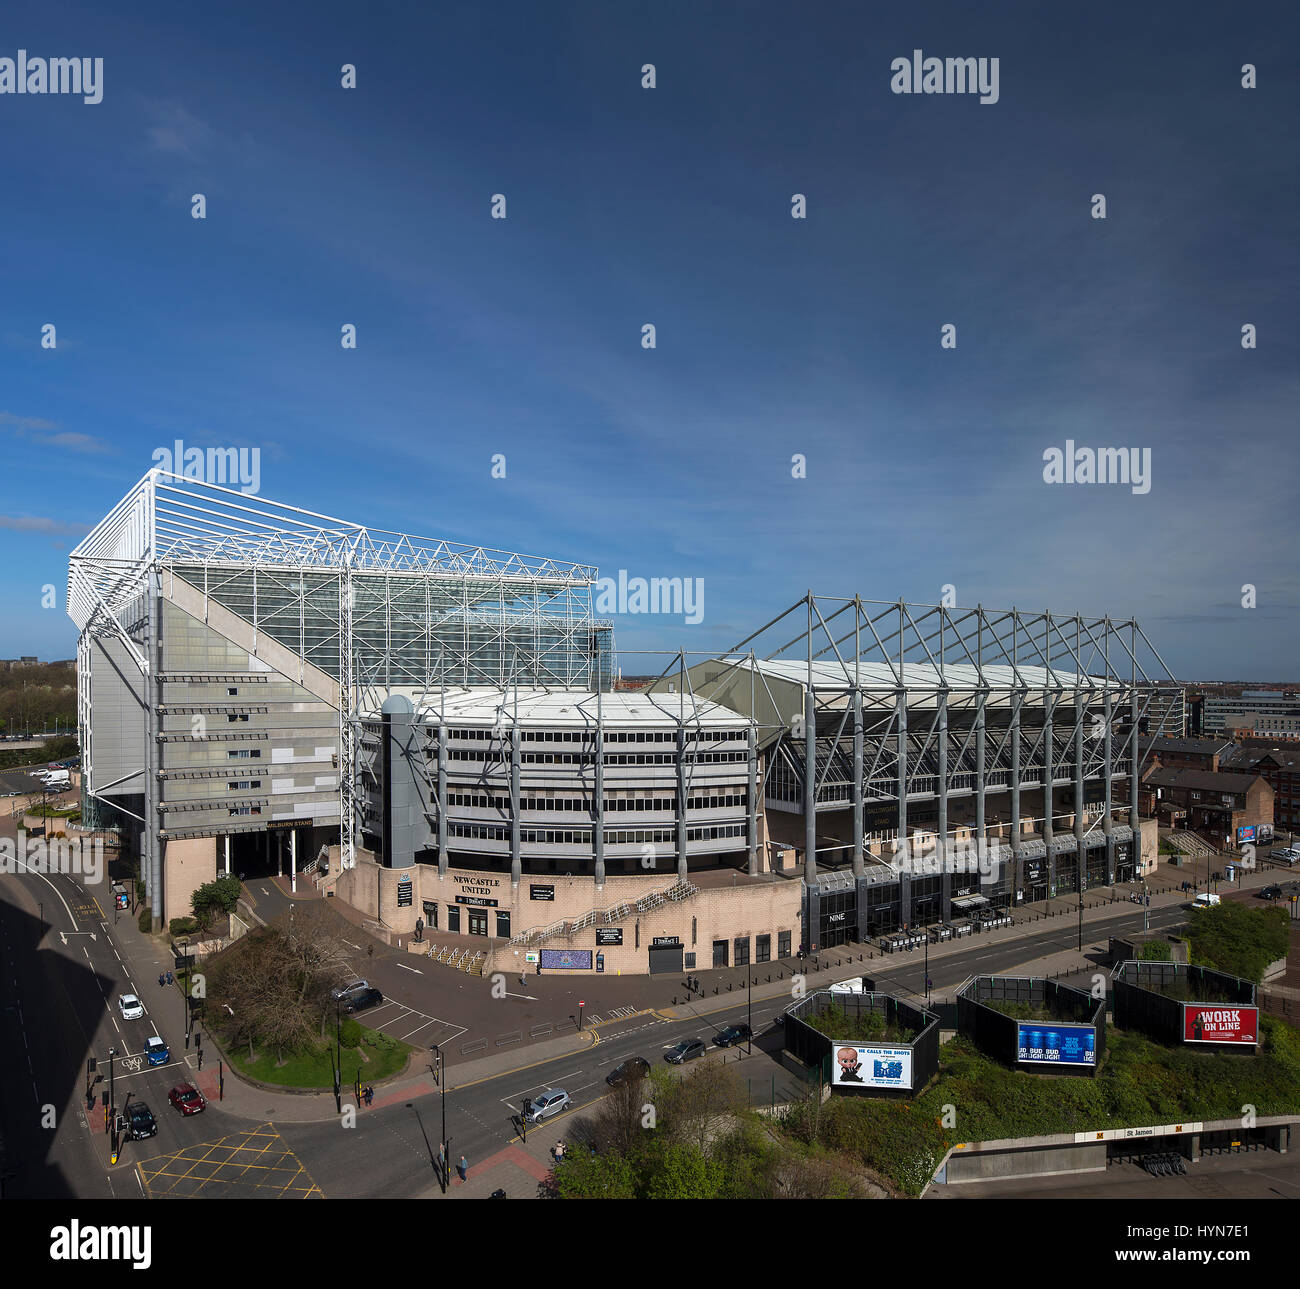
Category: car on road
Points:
column 732, row 1035
column 353, row 987
column 1285, row 855
column 1205, row 900
column 187, row 1098
column 687, row 1050
column 155, row 1051
column 548, row 1104
column 635, row 1067
column 1270, row 893
column 140, row 1122
column 362, row 1000
column 130, row 1007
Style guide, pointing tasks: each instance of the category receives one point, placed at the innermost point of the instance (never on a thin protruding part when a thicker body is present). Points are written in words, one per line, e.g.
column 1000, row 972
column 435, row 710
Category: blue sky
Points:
column 671, row 206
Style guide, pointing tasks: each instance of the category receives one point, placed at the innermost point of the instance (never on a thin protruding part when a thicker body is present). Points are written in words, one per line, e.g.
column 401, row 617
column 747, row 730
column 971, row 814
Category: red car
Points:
column 187, row 1098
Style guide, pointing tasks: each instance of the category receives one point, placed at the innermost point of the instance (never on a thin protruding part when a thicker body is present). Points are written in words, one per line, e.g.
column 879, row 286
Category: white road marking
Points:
column 404, row 967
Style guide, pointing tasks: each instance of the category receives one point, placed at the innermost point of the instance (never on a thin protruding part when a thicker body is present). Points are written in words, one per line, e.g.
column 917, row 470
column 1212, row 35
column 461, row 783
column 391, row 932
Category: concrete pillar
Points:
column 516, row 862
column 293, row 860
column 442, row 802
column 1135, row 782
column 1079, row 828
column 981, row 775
column 598, row 822
column 681, row 801
column 941, row 843
column 859, row 864
column 1107, row 823
column 1048, row 774
column 810, row 790
column 1017, row 856
column 227, row 841
column 751, row 815
column 905, row 912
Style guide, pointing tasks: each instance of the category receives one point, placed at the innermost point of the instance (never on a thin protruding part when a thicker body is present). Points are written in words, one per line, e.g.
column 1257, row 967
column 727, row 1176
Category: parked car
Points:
column 187, row 1099
column 1270, row 893
column 1285, row 855
column 130, row 1007
column 732, row 1035
column 354, row 987
column 155, row 1051
column 688, row 1050
column 363, row 1000
column 1205, row 900
column 548, row 1104
column 140, row 1122
column 633, row 1068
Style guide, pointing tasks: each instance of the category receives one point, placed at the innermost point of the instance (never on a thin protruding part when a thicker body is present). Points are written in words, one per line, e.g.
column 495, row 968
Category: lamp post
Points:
column 112, row 1104
column 338, row 1055
column 185, row 990
column 749, row 1006
column 446, row 1145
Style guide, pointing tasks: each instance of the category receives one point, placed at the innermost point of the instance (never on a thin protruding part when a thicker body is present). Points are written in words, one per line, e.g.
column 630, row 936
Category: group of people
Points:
column 367, row 1094
column 165, row 978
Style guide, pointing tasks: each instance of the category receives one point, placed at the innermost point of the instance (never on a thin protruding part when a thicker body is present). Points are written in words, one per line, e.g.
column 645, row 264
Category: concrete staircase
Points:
column 680, row 890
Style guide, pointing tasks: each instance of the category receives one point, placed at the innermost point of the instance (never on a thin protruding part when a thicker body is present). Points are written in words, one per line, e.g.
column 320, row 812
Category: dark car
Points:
column 732, row 1035
column 1271, row 893
column 186, row 1098
column 362, row 1000
column 633, row 1068
column 685, row 1051
column 140, row 1122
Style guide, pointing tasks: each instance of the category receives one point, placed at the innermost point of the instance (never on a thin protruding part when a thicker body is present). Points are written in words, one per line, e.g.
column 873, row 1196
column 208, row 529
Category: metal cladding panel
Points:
column 118, row 706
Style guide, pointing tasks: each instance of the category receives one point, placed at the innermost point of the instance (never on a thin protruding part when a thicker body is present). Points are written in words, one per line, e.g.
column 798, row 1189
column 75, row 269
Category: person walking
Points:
column 463, row 1169
column 162, row 981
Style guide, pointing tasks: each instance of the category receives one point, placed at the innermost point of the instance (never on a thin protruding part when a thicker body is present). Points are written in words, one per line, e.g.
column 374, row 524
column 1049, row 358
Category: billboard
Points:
column 566, row 959
column 1050, row 1043
column 1214, row 1023
column 1246, row 833
column 870, row 1066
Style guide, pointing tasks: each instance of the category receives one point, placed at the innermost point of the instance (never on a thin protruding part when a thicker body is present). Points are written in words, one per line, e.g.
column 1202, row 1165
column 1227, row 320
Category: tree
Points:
column 582, row 1175
column 683, row 1172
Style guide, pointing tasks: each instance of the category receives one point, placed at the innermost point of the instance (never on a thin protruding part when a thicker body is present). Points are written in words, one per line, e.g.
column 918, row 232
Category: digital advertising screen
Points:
column 1214, row 1023
column 1048, row 1043
column 871, row 1066
column 566, row 959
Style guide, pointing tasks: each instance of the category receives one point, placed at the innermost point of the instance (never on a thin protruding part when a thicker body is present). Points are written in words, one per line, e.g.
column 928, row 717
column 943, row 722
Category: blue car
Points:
column 156, row 1050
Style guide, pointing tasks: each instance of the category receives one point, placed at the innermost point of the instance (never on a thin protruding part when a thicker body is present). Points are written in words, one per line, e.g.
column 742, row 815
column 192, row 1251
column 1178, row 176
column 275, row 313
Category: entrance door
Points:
column 453, row 918
column 719, row 953
column 477, row 922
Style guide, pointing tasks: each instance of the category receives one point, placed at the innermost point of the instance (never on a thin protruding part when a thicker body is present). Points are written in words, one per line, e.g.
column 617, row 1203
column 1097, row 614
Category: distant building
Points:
column 1280, row 767
column 1188, row 753
column 1225, row 809
column 1257, row 711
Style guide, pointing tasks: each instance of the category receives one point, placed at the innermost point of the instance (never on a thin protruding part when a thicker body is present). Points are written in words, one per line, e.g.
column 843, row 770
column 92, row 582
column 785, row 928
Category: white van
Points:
column 1205, row 900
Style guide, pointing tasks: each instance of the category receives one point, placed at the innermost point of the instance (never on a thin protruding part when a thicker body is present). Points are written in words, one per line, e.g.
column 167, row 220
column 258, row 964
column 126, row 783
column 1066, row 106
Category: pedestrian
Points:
column 557, row 1151
column 463, row 1169
column 171, row 980
column 929, row 984
column 523, row 979
column 162, row 981
column 370, row 951
column 442, row 1159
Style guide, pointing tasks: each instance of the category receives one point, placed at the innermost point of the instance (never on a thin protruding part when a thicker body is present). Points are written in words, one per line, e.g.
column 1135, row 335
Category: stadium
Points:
column 439, row 732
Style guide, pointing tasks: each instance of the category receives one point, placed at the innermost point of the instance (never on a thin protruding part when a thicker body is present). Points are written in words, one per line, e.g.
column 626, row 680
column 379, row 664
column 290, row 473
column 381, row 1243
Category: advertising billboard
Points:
column 1215, row 1023
column 1050, row 1043
column 1246, row 833
column 566, row 959
column 856, row 1065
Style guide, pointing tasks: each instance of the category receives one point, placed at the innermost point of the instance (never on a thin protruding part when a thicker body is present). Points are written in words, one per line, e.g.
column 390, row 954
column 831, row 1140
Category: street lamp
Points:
column 438, row 1078
column 338, row 1055
column 112, row 1104
column 185, row 990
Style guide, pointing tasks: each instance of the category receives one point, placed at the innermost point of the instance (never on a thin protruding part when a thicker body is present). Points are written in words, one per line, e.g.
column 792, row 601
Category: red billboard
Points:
column 1215, row 1023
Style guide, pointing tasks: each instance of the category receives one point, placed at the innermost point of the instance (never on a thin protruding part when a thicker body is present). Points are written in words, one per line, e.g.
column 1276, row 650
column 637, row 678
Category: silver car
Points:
column 548, row 1104
column 130, row 1007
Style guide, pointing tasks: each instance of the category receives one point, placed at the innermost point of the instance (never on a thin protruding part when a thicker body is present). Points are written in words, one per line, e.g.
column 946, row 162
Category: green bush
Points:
column 182, row 926
column 1156, row 951
column 1238, row 939
column 350, row 1032
column 146, row 921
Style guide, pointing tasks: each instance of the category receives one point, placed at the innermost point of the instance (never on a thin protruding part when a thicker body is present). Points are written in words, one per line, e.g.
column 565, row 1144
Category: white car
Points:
column 130, row 1007
column 548, row 1104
